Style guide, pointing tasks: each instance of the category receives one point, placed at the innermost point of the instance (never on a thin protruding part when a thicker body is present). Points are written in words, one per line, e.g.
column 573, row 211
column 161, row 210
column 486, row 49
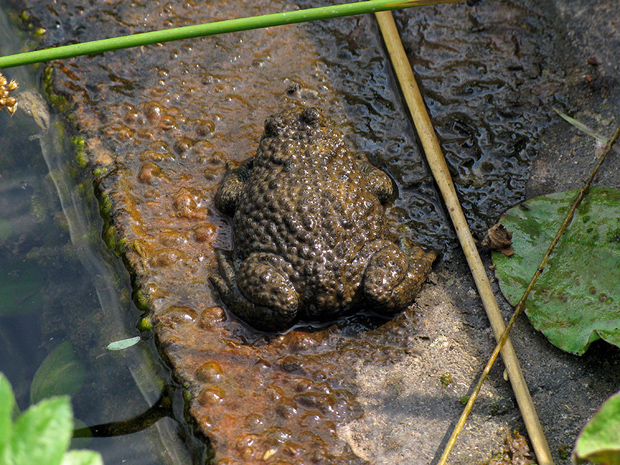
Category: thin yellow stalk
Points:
column 442, row 176
column 520, row 307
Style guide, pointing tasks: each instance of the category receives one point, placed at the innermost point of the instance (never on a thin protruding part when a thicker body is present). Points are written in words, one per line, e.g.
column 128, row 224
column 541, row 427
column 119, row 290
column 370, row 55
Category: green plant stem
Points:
column 220, row 27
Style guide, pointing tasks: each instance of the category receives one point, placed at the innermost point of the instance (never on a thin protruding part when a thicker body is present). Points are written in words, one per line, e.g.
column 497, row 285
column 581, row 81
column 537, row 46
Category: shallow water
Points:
column 58, row 283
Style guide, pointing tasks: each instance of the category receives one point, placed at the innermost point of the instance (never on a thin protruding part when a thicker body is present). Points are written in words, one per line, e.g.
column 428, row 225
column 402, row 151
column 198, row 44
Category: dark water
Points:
column 59, row 284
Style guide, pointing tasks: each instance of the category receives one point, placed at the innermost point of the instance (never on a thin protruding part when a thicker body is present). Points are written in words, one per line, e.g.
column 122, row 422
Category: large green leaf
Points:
column 81, row 442
column 42, row 433
column 82, row 457
column 61, row 373
column 7, row 403
column 5, row 229
column 599, row 442
column 577, row 298
column 21, row 282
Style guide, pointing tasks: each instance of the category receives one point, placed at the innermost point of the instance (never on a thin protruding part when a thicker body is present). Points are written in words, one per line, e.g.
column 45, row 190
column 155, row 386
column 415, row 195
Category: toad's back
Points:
column 308, row 229
column 308, row 202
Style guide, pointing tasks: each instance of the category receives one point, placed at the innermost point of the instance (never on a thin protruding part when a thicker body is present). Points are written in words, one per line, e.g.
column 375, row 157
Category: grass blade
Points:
column 220, row 27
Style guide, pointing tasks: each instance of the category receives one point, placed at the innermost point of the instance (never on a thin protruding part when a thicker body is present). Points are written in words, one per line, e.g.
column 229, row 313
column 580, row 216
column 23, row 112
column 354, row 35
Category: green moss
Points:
column 56, row 100
column 100, row 171
column 121, row 245
column 109, row 237
column 145, row 325
column 59, row 102
column 141, row 301
column 85, row 187
column 105, row 205
column 80, row 152
column 80, row 157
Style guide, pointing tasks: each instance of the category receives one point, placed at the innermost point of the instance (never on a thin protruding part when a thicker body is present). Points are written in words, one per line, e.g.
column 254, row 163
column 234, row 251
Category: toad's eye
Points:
column 310, row 116
column 273, row 125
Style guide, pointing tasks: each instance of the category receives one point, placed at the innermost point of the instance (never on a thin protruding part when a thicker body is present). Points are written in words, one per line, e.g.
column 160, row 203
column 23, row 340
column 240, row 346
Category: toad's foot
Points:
column 258, row 292
column 395, row 275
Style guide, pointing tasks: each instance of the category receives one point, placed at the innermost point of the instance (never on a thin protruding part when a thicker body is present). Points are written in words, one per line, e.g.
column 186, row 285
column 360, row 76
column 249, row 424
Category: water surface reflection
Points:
column 59, row 285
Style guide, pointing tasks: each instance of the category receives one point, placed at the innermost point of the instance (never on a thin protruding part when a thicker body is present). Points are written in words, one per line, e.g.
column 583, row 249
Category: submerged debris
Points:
column 516, row 451
column 500, row 239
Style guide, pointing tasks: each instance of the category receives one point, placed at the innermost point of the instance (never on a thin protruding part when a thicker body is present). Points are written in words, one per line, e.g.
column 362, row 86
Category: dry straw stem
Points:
column 440, row 171
column 520, row 307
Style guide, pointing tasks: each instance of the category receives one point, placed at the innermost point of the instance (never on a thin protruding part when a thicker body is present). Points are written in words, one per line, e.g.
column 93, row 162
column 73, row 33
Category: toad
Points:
column 309, row 230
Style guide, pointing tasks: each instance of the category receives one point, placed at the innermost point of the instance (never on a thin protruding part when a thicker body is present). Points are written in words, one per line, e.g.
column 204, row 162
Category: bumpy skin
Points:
column 308, row 230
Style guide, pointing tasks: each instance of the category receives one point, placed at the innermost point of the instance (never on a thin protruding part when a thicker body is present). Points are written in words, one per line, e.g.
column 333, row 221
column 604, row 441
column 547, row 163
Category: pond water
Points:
column 63, row 296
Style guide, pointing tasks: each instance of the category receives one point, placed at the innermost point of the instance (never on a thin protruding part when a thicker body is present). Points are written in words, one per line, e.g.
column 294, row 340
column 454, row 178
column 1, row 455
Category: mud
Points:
column 159, row 125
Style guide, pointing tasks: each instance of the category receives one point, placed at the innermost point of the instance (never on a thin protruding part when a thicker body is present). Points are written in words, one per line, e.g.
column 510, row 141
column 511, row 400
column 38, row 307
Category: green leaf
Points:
column 123, row 343
column 82, row 457
column 61, row 373
column 42, row 433
column 582, row 127
column 599, row 442
column 7, row 404
column 5, row 229
column 577, row 298
column 20, row 287
column 83, row 442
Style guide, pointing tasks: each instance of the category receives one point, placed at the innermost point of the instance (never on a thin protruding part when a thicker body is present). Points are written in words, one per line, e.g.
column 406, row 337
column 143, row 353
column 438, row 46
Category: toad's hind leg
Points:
column 259, row 292
column 395, row 275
